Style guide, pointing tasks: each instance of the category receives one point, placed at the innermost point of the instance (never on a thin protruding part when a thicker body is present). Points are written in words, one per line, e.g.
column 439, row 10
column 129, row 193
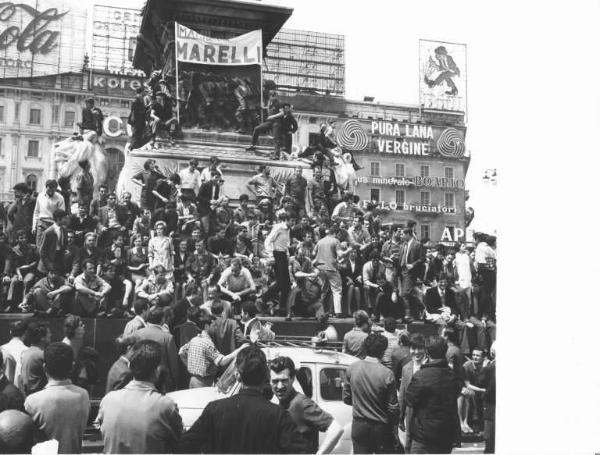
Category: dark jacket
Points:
column 51, row 252
column 432, row 393
column 10, row 396
column 433, row 301
column 120, row 213
column 244, row 423
column 226, row 334
column 205, row 195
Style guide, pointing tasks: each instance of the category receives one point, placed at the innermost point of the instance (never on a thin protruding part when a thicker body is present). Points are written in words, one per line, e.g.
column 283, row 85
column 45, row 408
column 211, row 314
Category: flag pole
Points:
column 176, row 76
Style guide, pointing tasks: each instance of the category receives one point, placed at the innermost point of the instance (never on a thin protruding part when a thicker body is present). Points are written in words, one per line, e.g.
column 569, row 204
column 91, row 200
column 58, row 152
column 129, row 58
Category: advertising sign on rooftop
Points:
column 41, row 38
column 443, row 75
column 114, row 37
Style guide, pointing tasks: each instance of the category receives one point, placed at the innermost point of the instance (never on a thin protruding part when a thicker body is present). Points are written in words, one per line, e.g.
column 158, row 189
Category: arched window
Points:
column 31, row 181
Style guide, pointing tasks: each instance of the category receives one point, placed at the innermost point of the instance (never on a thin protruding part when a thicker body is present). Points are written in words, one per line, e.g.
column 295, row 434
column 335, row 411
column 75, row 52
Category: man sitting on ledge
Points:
column 156, row 289
column 91, row 292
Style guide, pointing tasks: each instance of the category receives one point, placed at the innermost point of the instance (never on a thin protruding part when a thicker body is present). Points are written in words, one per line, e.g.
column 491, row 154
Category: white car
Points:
column 320, row 375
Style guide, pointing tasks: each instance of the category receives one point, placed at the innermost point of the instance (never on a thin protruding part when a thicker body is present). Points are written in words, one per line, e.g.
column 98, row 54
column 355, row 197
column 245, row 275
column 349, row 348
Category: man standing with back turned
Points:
column 433, row 394
column 370, row 388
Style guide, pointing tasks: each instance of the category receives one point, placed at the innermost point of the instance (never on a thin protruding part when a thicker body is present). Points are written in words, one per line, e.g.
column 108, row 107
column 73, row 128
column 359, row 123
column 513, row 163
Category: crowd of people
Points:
column 426, row 388
column 300, row 250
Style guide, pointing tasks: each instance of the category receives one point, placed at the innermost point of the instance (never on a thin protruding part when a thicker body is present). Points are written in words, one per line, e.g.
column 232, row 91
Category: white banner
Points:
column 192, row 47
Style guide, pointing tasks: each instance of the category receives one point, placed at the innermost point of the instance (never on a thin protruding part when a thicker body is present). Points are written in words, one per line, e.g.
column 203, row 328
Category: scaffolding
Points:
column 114, row 38
column 305, row 61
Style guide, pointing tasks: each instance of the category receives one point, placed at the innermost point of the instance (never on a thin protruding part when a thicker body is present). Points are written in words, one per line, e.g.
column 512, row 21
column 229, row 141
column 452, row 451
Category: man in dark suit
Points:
column 440, row 304
column 111, row 219
column 137, row 119
column 351, row 272
column 261, row 426
column 169, row 359
column 412, row 259
column 53, row 245
column 209, row 191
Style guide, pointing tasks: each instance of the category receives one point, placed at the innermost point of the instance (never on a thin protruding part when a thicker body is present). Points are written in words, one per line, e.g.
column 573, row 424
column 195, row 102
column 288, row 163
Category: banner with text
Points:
column 192, row 47
column 219, row 80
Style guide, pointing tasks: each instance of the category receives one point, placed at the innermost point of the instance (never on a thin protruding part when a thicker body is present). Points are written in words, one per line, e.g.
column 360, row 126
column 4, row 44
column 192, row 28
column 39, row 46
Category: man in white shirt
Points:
column 278, row 241
column 45, row 206
column 190, row 179
column 12, row 351
column 236, row 282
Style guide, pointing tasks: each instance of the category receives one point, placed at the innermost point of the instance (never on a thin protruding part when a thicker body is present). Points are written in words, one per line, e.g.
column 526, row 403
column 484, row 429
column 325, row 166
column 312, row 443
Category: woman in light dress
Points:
column 160, row 249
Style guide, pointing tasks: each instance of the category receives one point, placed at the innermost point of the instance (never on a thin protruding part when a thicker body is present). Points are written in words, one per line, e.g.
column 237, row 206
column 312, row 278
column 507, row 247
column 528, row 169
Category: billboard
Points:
column 114, row 38
column 402, row 138
column 219, row 80
column 39, row 38
column 443, row 75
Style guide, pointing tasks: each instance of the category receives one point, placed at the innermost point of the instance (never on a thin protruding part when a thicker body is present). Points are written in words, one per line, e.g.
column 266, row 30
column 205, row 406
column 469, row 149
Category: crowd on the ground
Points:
column 427, row 389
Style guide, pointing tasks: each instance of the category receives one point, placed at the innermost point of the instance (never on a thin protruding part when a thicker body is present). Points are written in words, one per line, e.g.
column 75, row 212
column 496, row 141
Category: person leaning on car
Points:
column 306, row 414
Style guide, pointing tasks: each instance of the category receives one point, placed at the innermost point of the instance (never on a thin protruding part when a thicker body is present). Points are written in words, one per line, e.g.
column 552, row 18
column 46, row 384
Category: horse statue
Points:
column 67, row 154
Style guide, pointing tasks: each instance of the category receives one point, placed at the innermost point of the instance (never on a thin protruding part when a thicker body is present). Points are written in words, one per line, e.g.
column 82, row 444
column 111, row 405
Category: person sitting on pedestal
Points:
column 272, row 124
column 91, row 291
column 91, row 119
column 306, row 297
column 156, row 289
column 20, row 269
column 236, row 283
column 50, row 296
column 162, row 118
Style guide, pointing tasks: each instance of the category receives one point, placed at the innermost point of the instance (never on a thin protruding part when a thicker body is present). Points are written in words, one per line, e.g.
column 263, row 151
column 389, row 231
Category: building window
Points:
column 55, row 114
column 70, row 99
column 1, row 153
column 104, row 102
column 424, row 170
column 449, row 200
column 424, row 232
column 1, row 114
column 125, row 104
column 375, row 194
column 33, row 149
column 35, row 116
column 425, row 198
column 399, row 170
column 17, row 111
column 400, row 197
column 31, row 181
column 69, row 118
column 375, row 169
column 449, row 172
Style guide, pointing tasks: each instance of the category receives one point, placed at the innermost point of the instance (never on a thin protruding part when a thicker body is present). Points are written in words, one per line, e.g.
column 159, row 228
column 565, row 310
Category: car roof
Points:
column 309, row 355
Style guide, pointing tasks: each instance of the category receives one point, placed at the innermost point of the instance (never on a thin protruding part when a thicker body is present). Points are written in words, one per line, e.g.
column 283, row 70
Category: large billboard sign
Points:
column 114, row 38
column 443, row 75
column 405, row 139
column 41, row 38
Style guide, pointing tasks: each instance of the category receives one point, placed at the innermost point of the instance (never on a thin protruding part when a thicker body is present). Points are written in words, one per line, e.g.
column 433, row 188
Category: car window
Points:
column 304, row 377
column 331, row 381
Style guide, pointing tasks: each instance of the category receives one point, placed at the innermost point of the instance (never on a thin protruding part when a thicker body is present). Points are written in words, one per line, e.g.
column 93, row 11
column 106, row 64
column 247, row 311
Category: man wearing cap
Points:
column 43, row 214
column 162, row 117
column 446, row 70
